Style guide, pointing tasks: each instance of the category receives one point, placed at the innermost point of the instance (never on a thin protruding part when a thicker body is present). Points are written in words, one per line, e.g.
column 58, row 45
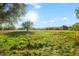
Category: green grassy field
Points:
column 39, row 43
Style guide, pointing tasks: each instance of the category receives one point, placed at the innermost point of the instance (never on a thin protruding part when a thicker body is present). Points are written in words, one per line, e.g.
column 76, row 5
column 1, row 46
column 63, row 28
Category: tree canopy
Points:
column 11, row 12
column 27, row 25
column 77, row 13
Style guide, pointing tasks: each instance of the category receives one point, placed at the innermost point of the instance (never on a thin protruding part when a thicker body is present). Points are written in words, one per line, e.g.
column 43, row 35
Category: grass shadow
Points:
column 18, row 33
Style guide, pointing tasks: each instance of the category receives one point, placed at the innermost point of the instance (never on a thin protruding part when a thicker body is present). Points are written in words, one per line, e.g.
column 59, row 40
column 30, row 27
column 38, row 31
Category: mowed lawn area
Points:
column 39, row 43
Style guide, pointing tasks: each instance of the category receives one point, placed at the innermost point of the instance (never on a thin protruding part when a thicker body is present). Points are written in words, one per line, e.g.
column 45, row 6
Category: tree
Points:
column 77, row 13
column 75, row 27
column 27, row 25
column 11, row 12
column 64, row 27
column 10, row 27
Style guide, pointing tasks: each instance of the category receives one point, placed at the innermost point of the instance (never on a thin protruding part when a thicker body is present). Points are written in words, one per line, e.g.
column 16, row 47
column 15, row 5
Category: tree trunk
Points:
column 2, row 28
column 27, row 29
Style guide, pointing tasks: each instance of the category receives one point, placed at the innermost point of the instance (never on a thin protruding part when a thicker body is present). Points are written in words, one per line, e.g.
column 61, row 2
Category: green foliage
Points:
column 38, row 42
column 75, row 27
column 7, row 27
column 64, row 27
column 12, row 27
column 0, row 27
column 11, row 12
column 77, row 12
column 27, row 25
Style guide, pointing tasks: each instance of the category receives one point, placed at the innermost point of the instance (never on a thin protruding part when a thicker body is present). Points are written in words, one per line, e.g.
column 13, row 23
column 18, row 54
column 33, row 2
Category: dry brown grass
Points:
column 77, row 36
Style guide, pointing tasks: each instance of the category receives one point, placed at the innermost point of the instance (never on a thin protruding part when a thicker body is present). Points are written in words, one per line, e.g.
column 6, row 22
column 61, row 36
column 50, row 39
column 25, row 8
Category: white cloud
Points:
column 52, row 21
column 64, row 18
column 31, row 16
column 74, row 14
column 44, row 22
column 37, row 6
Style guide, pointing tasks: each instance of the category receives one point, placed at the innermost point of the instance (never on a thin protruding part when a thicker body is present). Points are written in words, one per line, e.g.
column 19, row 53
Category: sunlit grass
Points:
column 39, row 42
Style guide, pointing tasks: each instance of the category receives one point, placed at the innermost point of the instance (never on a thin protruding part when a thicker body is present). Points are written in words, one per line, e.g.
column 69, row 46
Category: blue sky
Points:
column 50, row 14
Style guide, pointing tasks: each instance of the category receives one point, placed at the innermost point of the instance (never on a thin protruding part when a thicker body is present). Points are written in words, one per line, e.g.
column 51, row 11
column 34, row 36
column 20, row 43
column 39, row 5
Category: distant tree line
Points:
column 28, row 25
column 7, row 27
column 64, row 27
